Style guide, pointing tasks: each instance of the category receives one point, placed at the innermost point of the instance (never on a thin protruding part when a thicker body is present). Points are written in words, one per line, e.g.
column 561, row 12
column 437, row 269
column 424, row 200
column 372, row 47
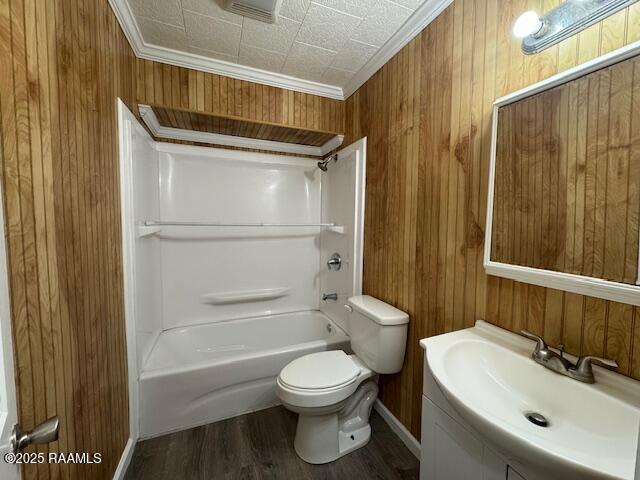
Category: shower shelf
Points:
column 148, row 228
column 224, row 224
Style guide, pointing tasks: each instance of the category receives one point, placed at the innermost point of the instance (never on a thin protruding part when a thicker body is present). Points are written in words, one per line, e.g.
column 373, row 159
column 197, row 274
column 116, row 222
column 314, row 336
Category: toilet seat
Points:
column 321, row 379
column 320, row 371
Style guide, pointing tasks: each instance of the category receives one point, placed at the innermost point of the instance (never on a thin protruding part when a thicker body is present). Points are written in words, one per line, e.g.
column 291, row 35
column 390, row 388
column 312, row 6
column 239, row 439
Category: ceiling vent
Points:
column 263, row 10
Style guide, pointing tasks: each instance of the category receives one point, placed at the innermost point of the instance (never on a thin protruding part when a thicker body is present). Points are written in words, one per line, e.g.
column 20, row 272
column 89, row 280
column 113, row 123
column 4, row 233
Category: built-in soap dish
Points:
column 224, row 298
column 148, row 230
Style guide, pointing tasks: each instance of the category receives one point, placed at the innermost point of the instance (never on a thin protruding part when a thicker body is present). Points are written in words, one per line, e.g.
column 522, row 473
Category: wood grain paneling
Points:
column 64, row 63
column 541, row 188
column 427, row 115
column 201, row 122
column 184, row 89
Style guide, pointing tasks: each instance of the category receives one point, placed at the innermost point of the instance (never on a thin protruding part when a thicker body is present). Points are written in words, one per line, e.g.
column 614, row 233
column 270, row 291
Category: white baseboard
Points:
column 125, row 459
column 398, row 428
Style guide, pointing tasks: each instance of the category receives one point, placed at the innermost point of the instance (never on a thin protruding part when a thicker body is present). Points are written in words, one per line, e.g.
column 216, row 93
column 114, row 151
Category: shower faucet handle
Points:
column 335, row 262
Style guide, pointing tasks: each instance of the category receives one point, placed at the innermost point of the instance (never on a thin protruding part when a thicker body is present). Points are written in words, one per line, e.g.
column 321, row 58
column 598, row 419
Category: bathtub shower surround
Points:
column 210, row 372
column 226, row 264
column 211, row 274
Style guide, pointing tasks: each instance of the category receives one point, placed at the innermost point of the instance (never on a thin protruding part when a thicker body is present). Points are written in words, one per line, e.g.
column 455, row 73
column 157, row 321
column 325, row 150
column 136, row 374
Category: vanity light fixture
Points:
column 529, row 23
column 570, row 17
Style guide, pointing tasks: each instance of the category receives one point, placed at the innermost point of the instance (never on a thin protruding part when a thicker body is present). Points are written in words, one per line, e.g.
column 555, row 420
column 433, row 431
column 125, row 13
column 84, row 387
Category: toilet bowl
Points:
column 333, row 392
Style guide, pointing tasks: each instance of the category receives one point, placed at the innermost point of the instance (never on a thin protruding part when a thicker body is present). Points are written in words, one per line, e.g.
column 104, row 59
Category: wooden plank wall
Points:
column 567, row 192
column 202, row 122
column 184, row 89
column 64, row 62
column 426, row 114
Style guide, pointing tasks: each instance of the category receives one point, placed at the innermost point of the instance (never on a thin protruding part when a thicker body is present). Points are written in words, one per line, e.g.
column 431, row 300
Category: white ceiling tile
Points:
column 260, row 58
column 165, row 11
column 412, row 4
column 212, row 34
column 162, row 34
column 336, row 76
column 276, row 37
column 359, row 8
column 210, row 54
column 305, row 75
column 327, row 28
column 307, row 58
column 294, row 9
column 382, row 21
column 353, row 55
column 212, row 9
column 326, row 41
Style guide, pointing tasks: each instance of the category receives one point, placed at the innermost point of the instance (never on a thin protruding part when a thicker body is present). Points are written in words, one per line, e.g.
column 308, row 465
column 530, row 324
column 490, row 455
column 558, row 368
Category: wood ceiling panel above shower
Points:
column 240, row 128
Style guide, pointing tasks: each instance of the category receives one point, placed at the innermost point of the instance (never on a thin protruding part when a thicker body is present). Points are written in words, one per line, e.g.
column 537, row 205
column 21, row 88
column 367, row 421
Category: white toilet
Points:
column 333, row 392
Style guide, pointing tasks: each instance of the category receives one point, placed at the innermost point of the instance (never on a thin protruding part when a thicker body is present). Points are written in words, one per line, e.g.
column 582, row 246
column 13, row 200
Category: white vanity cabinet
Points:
column 450, row 449
column 491, row 412
column 450, row 452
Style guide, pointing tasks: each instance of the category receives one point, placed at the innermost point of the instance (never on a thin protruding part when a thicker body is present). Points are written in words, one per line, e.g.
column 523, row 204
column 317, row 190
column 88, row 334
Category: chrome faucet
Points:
column 329, row 296
column 580, row 371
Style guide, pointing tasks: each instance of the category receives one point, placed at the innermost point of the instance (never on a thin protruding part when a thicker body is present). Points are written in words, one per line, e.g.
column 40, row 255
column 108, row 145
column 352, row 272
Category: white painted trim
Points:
column 125, row 460
column 418, row 20
column 398, row 428
column 360, row 148
column 126, row 121
column 238, row 71
column 205, row 64
column 594, row 287
column 638, row 280
column 8, row 397
column 332, row 144
column 423, row 16
column 128, row 24
column 581, row 70
column 235, row 155
column 159, row 131
column 637, row 475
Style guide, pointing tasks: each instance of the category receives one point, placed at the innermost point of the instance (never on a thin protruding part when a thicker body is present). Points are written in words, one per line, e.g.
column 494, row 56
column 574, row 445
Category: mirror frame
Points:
column 593, row 287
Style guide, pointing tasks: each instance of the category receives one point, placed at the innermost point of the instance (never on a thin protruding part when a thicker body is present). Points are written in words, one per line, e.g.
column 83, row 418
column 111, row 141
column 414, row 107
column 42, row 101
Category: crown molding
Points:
column 158, row 131
column 205, row 64
column 237, row 71
column 128, row 24
column 422, row 17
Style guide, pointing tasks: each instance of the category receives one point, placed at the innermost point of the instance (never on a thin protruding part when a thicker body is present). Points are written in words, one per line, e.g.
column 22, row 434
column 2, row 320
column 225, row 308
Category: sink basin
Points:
column 489, row 378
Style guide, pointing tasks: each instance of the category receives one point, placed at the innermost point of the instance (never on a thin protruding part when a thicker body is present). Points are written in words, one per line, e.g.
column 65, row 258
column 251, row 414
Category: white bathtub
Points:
column 201, row 374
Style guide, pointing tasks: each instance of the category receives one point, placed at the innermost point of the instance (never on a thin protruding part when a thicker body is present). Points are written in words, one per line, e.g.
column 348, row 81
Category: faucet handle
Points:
column 583, row 371
column 584, row 363
column 540, row 344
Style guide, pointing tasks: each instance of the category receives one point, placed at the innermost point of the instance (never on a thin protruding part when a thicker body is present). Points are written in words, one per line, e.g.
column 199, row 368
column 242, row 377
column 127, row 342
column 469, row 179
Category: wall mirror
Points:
column 564, row 186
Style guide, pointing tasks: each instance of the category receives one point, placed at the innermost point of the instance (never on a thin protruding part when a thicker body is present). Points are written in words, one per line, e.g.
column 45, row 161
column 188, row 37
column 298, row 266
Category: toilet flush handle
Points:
column 348, row 308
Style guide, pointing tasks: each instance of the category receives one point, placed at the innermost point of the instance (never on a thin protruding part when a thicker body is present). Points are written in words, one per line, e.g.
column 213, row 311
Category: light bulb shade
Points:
column 527, row 24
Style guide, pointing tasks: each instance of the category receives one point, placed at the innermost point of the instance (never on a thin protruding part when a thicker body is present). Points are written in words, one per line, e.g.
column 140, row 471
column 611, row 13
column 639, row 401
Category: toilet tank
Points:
column 378, row 333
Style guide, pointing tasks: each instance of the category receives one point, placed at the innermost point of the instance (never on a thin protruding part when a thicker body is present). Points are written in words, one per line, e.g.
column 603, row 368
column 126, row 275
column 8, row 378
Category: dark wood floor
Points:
column 260, row 446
